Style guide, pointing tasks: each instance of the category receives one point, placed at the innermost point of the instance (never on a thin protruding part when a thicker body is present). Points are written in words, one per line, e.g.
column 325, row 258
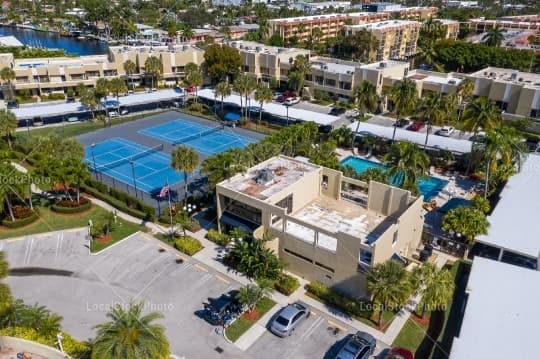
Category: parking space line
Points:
column 200, row 267
column 312, row 328
column 182, row 258
column 15, row 239
column 163, row 247
column 222, row 279
column 335, row 325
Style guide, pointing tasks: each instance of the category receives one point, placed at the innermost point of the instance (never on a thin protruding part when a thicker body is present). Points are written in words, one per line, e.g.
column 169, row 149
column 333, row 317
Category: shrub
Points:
column 68, row 207
column 339, row 300
column 219, row 238
column 188, row 245
column 192, row 225
column 18, row 223
column 287, row 284
column 56, row 96
column 121, row 206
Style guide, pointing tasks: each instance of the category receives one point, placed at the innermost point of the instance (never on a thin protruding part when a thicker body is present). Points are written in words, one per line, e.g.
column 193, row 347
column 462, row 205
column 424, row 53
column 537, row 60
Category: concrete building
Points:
column 452, row 28
column 325, row 226
column 500, row 315
column 462, row 4
column 396, row 38
column 523, row 23
column 330, row 24
column 315, row 7
column 59, row 74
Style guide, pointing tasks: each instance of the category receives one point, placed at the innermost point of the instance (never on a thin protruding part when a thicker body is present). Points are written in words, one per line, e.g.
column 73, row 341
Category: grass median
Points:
column 242, row 324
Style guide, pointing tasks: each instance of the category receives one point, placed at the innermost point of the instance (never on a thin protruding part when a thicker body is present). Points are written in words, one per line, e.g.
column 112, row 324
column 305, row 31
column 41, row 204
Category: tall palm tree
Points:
column 389, row 285
column 7, row 74
column 435, row 285
column 130, row 67
column 465, row 92
column 89, row 99
column 404, row 98
column 250, row 294
column 187, row 33
column 262, row 95
column 431, row 110
column 316, row 34
column 117, row 86
column 407, row 164
column 494, row 36
column 131, row 335
column 366, row 100
column 8, row 124
column 243, row 84
column 195, row 79
column 153, row 68
column 302, row 66
column 222, row 89
column 185, row 159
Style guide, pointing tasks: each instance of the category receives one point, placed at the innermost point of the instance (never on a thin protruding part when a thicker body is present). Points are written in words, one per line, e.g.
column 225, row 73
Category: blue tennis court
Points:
column 204, row 139
column 123, row 160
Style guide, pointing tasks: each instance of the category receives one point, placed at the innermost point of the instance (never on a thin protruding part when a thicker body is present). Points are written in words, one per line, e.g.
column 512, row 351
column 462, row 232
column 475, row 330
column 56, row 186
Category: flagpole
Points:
column 170, row 209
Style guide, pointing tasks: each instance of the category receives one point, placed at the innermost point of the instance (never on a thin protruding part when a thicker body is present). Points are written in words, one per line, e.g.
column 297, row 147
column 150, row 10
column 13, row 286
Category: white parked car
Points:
column 291, row 101
column 276, row 95
column 446, row 131
column 113, row 114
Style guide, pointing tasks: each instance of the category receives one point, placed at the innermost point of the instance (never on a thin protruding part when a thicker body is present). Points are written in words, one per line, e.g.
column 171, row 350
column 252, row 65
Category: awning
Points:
column 231, row 116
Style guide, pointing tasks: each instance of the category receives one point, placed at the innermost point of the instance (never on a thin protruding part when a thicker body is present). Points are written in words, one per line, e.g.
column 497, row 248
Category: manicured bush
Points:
column 219, row 238
column 287, row 284
column 69, row 207
column 18, row 223
column 192, row 225
column 188, row 245
column 339, row 300
column 121, row 206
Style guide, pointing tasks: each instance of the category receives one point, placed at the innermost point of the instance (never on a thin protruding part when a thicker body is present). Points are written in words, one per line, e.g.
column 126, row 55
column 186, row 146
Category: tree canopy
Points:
column 222, row 61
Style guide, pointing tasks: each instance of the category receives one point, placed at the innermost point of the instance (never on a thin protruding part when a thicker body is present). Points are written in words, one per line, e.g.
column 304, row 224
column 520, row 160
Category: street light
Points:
column 287, row 107
column 28, row 126
column 94, row 159
column 133, row 175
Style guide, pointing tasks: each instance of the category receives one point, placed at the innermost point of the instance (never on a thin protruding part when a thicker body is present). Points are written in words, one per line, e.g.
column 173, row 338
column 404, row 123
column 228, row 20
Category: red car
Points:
column 417, row 126
column 190, row 89
column 399, row 353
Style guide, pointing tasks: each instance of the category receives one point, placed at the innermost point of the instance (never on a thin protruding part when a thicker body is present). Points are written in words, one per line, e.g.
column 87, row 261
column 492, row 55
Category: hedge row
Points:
column 70, row 210
column 340, row 301
column 287, row 284
column 219, row 238
column 188, row 245
column 21, row 222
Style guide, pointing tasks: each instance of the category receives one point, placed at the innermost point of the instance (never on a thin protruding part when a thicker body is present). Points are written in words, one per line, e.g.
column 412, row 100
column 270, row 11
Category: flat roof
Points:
column 285, row 172
column 276, row 109
column 508, row 75
column 385, row 24
column 256, row 47
column 333, row 67
column 514, row 221
column 500, row 319
column 385, row 64
column 434, row 141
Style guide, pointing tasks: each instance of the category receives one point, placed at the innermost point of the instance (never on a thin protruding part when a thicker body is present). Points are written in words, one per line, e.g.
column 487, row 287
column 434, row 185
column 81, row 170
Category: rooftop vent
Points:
column 382, row 64
column 265, row 176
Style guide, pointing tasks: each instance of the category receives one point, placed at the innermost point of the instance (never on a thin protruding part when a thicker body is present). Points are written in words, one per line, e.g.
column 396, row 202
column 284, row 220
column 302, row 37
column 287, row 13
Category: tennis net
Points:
column 198, row 135
column 130, row 158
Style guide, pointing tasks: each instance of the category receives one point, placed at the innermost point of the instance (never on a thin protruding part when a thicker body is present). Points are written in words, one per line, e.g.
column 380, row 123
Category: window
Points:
column 394, row 239
column 365, row 256
column 324, row 267
column 243, row 210
column 298, row 255
column 325, row 181
column 331, row 82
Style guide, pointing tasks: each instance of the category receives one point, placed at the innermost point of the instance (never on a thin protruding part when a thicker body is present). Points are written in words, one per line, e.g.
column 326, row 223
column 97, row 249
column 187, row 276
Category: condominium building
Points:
column 59, row 74
column 396, row 39
column 325, row 226
column 329, row 24
column 523, row 23
column 451, row 28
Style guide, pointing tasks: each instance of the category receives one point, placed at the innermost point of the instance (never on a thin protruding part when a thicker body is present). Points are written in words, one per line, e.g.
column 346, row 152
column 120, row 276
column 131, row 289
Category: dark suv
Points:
column 221, row 310
column 358, row 346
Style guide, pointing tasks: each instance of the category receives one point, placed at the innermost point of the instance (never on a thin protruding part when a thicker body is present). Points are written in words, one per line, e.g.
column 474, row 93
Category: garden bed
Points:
column 121, row 230
column 70, row 207
column 246, row 321
column 21, row 221
column 188, row 245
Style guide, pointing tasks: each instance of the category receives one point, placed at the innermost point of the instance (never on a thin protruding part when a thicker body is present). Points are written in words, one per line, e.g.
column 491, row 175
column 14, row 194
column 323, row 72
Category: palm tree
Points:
column 187, row 33
column 241, row 85
column 153, row 68
column 262, row 95
column 435, row 285
column 467, row 221
column 130, row 67
column 464, row 92
column 404, row 98
column 6, row 300
column 494, row 36
column 8, row 124
column 366, row 99
column 185, row 159
column 342, row 135
column 195, row 79
column 89, row 99
column 389, row 285
column 222, row 89
column 131, row 335
column 316, row 34
column 430, row 108
column 7, row 74
column 301, row 66
column 250, row 294
column 407, row 164
column 117, row 86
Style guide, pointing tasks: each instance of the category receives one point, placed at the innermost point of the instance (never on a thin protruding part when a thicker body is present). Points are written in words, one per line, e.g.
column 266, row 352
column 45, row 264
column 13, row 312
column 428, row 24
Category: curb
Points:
column 113, row 245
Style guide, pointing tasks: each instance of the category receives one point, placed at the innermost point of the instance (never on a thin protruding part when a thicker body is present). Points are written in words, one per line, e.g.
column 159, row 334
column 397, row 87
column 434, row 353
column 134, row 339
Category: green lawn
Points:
column 121, row 230
column 241, row 325
column 51, row 221
column 411, row 335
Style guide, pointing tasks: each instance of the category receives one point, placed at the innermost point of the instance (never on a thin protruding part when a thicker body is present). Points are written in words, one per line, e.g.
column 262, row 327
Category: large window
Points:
column 242, row 210
column 365, row 257
column 286, row 203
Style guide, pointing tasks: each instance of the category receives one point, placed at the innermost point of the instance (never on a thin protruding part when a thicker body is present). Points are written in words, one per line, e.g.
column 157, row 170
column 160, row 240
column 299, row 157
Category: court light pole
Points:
column 94, row 159
column 287, row 107
column 133, row 175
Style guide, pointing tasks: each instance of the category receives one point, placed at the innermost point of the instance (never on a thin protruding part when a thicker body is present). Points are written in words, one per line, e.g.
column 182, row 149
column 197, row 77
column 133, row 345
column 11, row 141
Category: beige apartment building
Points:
column 330, row 24
column 451, row 27
column 59, row 74
column 396, row 38
column 325, row 226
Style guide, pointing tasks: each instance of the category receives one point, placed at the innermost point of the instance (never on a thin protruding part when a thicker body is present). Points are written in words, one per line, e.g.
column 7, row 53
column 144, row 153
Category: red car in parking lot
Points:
column 286, row 95
column 417, row 126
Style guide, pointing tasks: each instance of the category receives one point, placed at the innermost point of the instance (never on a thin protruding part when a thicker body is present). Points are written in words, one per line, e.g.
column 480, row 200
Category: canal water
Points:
column 51, row 40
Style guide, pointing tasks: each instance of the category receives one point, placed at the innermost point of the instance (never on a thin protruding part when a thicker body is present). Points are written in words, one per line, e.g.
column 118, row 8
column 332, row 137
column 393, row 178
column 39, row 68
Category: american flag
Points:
column 164, row 191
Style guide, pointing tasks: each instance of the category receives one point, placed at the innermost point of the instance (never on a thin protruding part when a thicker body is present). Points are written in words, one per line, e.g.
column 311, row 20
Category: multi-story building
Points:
column 451, row 27
column 59, row 74
column 325, row 226
column 330, row 24
column 522, row 23
column 396, row 39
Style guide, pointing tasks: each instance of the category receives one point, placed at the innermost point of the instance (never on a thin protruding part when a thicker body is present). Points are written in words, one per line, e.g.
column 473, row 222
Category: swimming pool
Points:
column 429, row 186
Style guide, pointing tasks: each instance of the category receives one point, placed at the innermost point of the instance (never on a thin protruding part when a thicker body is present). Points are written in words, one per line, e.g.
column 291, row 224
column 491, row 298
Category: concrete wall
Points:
column 28, row 346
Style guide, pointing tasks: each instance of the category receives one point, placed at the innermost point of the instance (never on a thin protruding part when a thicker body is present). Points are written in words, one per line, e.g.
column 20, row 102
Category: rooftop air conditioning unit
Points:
column 382, row 64
column 513, row 76
column 258, row 48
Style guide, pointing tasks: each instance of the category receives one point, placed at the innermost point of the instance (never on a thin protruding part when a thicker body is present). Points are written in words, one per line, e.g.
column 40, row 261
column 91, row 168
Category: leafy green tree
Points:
column 407, row 165
column 222, row 62
column 8, row 125
column 404, row 96
column 195, row 79
column 153, row 68
column 366, row 100
column 6, row 299
column 7, row 74
column 494, row 36
column 130, row 334
column 262, row 95
column 431, row 109
column 435, row 285
column 481, row 204
column 389, row 285
column 250, row 294
column 117, row 86
column 185, row 159
column 374, row 174
column 36, row 317
column 130, row 68
column 101, row 89
column 222, row 89
column 251, row 257
column 469, row 222
column 342, row 136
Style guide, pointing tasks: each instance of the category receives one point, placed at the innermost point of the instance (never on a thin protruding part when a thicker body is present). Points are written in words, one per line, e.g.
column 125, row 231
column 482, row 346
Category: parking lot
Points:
column 56, row 270
column 389, row 122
